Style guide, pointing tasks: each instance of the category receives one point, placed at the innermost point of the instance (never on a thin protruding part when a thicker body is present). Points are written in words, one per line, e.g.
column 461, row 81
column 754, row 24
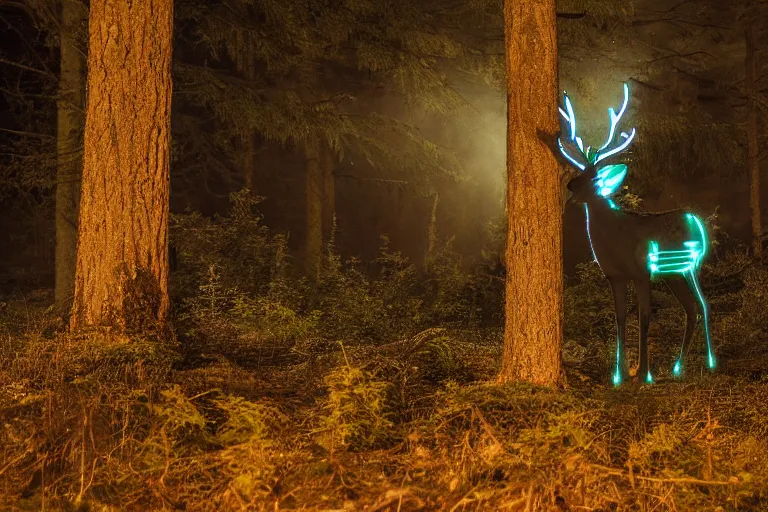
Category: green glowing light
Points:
column 694, row 282
column 685, row 262
column 617, row 373
column 702, row 231
column 674, row 261
column 609, row 178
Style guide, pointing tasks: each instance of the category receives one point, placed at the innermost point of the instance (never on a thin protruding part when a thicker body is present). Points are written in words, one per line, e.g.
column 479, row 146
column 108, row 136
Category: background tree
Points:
column 753, row 146
column 55, row 162
column 28, row 93
column 69, row 131
column 686, row 62
column 534, row 285
column 122, row 260
column 322, row 88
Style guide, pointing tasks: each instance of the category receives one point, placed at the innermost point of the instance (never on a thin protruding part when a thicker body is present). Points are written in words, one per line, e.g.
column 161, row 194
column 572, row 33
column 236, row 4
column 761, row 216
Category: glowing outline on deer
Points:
column 686, row 262
column 609, row 178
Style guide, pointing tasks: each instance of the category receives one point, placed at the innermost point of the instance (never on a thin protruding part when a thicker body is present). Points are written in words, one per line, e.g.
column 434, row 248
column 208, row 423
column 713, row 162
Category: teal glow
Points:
column 621, row 147
column 570, row 117
column 589, row 236
column 691, row 277
column 616, row 117
column 572, row 122
column 685, row 262
column 569, row 157
column 674, row 262
column 591, row 154
column 702, row 231
column 682, row 260
column 609, row 178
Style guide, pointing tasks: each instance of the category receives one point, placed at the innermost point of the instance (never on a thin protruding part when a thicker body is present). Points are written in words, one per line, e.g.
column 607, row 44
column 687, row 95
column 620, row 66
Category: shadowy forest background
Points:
column 337, row 233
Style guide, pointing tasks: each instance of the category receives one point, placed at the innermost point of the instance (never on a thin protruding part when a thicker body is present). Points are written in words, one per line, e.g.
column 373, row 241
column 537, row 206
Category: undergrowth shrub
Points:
column 103, row 440
column 223, row 308
column 397, row 287
column 349, row 311
column 112, row 423
column 355, row 413
column 239, row 245
column 449, row 288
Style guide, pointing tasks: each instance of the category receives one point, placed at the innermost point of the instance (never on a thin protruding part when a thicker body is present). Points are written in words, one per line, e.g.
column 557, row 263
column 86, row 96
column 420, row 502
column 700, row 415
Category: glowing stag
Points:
column 636, row 247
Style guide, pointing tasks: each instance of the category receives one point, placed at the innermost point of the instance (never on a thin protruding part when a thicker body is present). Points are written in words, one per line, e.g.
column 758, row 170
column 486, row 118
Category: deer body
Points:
column 636, row 247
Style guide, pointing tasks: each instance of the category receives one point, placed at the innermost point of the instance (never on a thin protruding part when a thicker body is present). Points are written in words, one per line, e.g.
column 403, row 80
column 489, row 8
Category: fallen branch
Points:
column 671, row 480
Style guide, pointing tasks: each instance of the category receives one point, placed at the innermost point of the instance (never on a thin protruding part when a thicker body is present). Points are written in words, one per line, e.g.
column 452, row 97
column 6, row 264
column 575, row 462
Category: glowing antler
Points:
column 570, row 118
column 614, row 122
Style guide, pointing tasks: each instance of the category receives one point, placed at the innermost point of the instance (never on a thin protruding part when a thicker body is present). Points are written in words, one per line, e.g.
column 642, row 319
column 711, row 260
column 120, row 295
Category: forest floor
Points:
column 107, row 423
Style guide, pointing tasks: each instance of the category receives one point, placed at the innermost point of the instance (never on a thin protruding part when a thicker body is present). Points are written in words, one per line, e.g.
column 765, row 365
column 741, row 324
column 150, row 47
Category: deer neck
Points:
column 601, row 207
column 600, row 214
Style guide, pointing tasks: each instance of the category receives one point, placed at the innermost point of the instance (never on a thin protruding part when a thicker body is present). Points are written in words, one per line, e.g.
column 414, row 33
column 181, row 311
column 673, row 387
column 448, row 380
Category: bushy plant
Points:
column 355, row 414
column 241, row 248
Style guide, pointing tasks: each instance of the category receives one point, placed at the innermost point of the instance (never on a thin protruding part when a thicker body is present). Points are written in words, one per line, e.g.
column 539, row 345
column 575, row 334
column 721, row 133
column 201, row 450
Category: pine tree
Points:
column 69, row 129
column 302, row 71
column 711, row 87
column 57, row 166
column 122, row 260
column 534, row 283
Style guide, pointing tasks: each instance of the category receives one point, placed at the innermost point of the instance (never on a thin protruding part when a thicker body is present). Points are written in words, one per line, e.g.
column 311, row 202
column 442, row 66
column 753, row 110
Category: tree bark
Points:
column 432, row 231
column 534, row 285
column 70, row 120
column 320, row 204
column 327, row 164
column 753, row 149
column 122, row 260
column 246, row 65
column 247, row 148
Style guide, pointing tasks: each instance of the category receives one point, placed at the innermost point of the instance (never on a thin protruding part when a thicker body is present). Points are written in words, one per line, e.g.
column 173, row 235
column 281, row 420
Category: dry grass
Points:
column 107, row 423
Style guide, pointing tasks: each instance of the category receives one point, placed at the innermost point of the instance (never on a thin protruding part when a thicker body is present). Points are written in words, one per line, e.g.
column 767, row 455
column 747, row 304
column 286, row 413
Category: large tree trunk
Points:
column 70, row 120
column 122, row 259
column 753, row 150
column 534, row 286
column 320, row 204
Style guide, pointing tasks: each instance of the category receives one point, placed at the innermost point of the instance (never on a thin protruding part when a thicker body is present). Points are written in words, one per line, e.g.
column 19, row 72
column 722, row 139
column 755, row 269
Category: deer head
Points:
column 594, row 180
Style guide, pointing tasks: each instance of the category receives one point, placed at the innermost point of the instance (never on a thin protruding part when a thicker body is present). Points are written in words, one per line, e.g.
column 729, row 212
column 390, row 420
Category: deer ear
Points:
column 609, row 178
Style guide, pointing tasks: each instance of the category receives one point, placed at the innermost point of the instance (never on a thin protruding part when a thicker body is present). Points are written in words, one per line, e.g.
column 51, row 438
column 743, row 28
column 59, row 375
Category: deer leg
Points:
column 687, row 299
column 693, row 282
column 643, row 289
column 619, row 288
